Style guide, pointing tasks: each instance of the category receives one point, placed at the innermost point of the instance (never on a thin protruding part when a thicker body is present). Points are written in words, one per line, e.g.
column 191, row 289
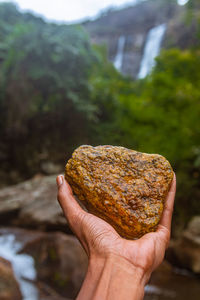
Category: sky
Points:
column 70, row 10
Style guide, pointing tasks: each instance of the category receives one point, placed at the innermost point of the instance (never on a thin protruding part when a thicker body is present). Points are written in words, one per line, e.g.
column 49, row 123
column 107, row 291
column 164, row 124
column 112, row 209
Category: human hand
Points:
column 101, row 242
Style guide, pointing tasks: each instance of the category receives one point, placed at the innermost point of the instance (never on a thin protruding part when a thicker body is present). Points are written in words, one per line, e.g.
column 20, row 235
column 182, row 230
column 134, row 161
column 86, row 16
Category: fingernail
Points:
column 59, row 180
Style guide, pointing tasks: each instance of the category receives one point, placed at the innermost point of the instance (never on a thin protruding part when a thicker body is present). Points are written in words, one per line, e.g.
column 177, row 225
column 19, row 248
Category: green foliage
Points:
column 165, row 107
column 106, row 84
column 57, row 92
column 164, row 117
column 44, row 71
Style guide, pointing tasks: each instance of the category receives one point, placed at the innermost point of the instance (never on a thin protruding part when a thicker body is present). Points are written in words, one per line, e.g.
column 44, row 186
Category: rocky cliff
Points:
column 133, row 23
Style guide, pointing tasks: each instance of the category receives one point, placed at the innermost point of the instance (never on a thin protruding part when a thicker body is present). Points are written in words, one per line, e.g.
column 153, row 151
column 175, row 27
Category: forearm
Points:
column 112, row 278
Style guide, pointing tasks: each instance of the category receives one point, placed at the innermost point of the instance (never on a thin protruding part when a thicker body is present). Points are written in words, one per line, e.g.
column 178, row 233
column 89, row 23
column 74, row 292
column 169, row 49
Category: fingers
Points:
column 169, row 205
column 72, row 210
column 164, row 228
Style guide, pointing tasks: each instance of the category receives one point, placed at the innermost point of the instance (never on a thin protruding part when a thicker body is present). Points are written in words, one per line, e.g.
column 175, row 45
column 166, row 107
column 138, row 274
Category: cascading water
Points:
column 120, row 52
column 23, row 265
column 151, row 50
column 182, row 2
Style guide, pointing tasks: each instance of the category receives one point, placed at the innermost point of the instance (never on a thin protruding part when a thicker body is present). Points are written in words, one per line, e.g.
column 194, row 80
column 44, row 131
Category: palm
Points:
column 98, row 237
column 143, row 252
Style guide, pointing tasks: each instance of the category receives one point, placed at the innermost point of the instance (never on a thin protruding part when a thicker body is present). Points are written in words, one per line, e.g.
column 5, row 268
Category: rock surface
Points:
column 122, row 186
column 133, row 23
column 32, row 204
column 186, row 251
column 9, row 288
column 60, row 262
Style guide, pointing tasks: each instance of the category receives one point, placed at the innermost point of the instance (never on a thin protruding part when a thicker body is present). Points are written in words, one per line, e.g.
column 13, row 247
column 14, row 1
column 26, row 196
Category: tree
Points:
column 44, row 88
column 164, row 118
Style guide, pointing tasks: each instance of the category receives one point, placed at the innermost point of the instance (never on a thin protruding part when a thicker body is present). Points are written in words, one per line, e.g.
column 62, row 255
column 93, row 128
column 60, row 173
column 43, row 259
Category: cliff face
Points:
column 133, row 24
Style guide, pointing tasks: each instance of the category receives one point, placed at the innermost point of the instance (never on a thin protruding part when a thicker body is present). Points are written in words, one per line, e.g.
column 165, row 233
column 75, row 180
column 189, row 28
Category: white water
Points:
column 154, row 290
column 23, row 265
column 182, row 2
column 120, row 53
column 151, row 50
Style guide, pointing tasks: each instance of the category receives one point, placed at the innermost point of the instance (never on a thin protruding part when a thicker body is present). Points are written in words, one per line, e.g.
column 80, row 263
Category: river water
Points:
column 176, row 284
column 23, row 265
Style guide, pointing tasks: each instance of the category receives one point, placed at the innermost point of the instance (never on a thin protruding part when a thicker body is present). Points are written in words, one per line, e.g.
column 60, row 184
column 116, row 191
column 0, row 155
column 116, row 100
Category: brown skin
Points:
column 118, row 268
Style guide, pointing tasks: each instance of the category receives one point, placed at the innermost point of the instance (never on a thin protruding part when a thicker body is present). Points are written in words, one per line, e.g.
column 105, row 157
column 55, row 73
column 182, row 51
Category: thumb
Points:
column 72, row 210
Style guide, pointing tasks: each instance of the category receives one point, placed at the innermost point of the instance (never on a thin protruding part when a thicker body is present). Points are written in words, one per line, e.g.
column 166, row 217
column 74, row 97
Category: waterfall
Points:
column 182, row 2
column 23, row 265
column 118, row 62
column 151, row 50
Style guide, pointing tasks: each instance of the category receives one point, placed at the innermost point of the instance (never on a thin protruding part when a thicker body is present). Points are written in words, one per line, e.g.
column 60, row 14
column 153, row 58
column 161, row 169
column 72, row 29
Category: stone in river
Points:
column 124, row 187
column 9, row 287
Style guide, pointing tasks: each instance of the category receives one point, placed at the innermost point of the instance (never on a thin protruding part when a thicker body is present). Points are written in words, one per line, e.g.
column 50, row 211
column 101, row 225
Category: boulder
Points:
column 32, row 204
column 60, row 261
column 185, row 252
column 9, row 287
column 50, row 168
column 133, row 23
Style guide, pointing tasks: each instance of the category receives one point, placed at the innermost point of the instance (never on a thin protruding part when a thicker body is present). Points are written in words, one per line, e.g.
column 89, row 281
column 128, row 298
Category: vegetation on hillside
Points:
column 57, row 91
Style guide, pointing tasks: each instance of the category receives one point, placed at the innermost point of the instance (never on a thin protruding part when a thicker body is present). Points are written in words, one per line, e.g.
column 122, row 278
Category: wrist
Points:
column 114, row 277
column 98, row 262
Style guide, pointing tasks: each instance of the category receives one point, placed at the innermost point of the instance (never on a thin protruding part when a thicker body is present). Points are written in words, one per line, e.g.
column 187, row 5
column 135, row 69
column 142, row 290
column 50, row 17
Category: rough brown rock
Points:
column 9, row 287
column 124, row 187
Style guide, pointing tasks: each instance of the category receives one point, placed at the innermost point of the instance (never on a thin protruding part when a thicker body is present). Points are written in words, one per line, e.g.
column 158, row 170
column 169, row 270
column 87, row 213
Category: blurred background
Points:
column 94, row 72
